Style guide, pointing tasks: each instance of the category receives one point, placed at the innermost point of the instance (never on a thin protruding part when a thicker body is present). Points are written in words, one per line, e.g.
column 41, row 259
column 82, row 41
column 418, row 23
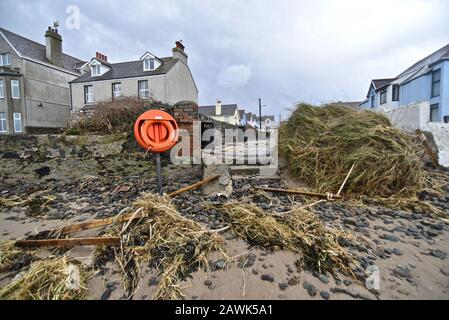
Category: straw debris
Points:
column 13, row 258
column 300, row 231
column 321, row 143
column 171, row 243
column 50, row 279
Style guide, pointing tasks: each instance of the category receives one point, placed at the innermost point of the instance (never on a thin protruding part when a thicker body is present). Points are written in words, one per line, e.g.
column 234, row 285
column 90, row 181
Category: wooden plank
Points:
column 68, row 242
column 302, row 193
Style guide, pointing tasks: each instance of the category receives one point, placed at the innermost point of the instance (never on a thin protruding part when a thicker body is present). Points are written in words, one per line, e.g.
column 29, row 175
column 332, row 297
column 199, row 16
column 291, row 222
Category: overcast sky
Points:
column 283, row 51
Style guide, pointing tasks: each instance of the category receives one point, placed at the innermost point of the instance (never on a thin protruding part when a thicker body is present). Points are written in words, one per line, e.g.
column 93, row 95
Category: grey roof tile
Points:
column 130, row 69
column 31, row 49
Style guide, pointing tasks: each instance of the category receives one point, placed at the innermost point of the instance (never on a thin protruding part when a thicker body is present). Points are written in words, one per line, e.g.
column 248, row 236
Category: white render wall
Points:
column 417, row 116
column 102, row 90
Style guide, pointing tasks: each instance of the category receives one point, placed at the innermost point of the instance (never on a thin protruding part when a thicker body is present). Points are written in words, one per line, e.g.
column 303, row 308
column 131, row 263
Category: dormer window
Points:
column 148, row 64
column 96, row 70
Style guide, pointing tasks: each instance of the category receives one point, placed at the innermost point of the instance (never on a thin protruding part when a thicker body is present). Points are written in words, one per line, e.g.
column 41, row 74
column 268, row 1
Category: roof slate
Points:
column 131, row 69
column 36, row 51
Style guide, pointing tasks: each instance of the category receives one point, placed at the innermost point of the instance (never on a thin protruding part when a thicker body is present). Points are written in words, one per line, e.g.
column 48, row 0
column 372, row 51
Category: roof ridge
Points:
column 38, row 43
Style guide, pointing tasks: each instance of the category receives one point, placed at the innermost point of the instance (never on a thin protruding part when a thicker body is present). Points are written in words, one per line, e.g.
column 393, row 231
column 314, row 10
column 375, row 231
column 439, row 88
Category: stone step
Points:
column 253, row 170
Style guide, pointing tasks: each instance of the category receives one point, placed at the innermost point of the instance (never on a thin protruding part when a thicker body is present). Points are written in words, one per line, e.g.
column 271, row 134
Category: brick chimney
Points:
column 179, row 53
column 101, row 57
column 53, row 46
column 218, row 108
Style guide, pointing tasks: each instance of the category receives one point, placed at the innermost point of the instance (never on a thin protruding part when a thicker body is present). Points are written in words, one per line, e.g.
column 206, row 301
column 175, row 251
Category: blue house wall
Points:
column 420, row 89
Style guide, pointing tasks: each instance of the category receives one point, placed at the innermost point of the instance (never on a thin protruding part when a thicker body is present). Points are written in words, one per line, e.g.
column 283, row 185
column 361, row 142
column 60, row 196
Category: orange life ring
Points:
column 156, row 131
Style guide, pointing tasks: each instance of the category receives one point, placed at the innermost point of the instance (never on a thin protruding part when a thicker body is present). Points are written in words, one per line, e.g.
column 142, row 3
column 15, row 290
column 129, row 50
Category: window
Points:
column 436, row 79
column 2, row 94
column 15, row 90
column 143, row 89
column 2, row 122
column 88, row 94
column 373, row 100
column 435, row 113
column 5, row 59
column 395, row 96
column 148, row 64
column 17, row 122
column 383, row 96
column 116, row 90
column 96, row 70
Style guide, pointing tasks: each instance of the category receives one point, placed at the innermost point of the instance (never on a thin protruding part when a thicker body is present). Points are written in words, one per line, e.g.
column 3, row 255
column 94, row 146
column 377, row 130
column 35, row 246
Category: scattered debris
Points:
column 120, row 188
column 328, row 196
column 49, row 279
column 299, row 231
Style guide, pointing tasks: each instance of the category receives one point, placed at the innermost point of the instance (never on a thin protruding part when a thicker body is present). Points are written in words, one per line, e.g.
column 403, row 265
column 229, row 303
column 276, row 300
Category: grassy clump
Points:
column 112, row 116
column 300, row 231
column 322, row 143
column 49, row 279
column 171, row 243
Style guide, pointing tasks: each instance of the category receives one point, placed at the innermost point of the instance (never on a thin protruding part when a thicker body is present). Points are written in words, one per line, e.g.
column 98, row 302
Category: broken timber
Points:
column 303, row 193
column 68, row 242
column 98, row 223
column 193, row 186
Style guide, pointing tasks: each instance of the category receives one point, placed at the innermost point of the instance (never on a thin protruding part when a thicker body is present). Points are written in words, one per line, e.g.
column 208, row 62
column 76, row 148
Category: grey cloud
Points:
column 283, row 51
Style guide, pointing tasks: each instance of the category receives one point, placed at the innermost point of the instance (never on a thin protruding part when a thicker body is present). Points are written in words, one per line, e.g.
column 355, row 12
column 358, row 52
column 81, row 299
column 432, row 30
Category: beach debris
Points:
column 56, row 278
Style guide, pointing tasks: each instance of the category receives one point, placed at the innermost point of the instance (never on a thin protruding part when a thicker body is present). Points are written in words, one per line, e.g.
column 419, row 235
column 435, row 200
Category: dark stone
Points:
column 219, row 265
column 311, row 290
column 325, row 295
column 10, row 155
column 292, row 282
column 397, row 252
column 283, row 286
column 445, row 271
column 438, row 254
column 323, row 279
column 267, row 277
column 153, row 281
column 390, row 237
column 347, row 282
column 106, row 295
column 402, row 272
column 43, row 171
column 208, row 283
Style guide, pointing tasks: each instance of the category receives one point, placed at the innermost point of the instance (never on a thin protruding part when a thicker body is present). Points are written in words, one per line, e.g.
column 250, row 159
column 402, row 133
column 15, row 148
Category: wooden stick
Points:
column 346, row 180
column 302, row 193
column 193, row 186
column 68, row 242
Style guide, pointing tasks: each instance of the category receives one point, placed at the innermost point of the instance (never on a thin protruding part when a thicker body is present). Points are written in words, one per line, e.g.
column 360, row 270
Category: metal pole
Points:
column 159, row 173
column 260, row 115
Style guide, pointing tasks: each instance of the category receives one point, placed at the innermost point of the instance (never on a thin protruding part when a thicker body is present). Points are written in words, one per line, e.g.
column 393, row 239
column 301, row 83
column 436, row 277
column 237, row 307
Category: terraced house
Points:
column 417, row 96
column 168, row 80
column 34, row 83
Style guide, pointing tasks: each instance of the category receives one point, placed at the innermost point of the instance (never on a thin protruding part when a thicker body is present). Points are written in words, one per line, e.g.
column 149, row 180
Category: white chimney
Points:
column 218, row 108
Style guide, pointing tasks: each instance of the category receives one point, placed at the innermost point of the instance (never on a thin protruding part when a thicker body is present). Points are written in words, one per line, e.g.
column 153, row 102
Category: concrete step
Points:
column 253, row 170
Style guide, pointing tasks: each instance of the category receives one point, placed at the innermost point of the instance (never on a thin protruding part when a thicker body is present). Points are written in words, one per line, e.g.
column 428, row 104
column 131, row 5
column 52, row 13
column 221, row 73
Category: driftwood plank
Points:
column 113, row 241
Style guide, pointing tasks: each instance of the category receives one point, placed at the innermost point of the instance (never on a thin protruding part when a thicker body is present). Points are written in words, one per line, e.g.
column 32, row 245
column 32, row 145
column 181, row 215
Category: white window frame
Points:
column 89, row 96
column 17, row 116
column 2, row 87
column 144, row 90
column 15, row 84
column 2, row 122
column 116, row 93
column 96, row 70
column 148, row 64
column 5, row 59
